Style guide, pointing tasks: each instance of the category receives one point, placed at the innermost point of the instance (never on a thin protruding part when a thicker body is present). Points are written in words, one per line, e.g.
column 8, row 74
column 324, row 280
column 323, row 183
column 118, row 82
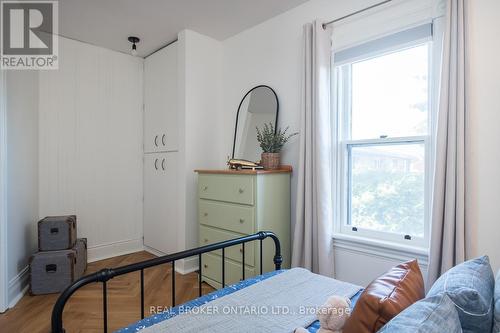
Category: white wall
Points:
column 3, row 193
column 200, row 124
column 483, row 107
column 359, row 262
column 91, row 145
column 271, row 53
column 22, row 176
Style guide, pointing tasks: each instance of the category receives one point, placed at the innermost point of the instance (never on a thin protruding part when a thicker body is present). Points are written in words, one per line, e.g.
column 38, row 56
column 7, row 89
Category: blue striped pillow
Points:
column 436, row 314
column 470, row 286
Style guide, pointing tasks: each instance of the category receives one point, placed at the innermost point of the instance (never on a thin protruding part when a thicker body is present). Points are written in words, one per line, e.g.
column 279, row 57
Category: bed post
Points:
column 278, row 259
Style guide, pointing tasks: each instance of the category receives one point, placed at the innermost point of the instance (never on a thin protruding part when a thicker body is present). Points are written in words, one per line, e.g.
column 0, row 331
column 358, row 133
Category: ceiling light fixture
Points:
column 134, row 40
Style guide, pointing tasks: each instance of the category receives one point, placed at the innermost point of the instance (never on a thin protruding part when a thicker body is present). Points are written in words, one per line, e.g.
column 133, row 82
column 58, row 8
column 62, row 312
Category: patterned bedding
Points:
column 156, row 318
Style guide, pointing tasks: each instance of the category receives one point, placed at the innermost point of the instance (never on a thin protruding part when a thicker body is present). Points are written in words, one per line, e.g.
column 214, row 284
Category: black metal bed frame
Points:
column 106, row 274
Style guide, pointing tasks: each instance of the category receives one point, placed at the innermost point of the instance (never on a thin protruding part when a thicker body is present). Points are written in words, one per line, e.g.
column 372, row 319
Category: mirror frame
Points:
column 239, row 107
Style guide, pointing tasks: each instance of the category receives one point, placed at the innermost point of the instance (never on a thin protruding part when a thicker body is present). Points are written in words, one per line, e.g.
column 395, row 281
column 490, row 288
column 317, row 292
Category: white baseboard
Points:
column 183, row 266
column 105, row 251
column 153, row 251
column 187, row 266
column 18, row 286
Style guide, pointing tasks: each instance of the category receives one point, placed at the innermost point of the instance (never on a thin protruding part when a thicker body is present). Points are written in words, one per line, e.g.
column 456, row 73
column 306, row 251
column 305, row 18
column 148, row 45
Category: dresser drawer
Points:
column 210, row 235
column 212, row 269
column 232, row 188
column 231, row 217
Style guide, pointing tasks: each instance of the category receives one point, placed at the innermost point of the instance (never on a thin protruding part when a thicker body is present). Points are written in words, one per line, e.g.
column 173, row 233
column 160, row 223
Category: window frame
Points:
column 342, row 97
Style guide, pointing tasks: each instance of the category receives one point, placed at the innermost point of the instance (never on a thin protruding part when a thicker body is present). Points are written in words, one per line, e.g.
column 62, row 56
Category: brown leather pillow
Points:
column 385, row 297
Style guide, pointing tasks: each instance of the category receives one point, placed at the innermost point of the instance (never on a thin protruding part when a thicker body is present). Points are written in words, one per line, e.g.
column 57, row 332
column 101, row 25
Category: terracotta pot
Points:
column 270, row 161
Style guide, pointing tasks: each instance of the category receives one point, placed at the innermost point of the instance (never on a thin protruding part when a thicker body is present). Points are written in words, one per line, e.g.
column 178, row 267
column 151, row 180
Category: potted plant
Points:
column 272, row 142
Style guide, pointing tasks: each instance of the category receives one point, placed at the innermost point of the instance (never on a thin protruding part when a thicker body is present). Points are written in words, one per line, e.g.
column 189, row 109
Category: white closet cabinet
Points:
column 160, row 100
column 161, row 159
column 179, row 95
column 160, row 201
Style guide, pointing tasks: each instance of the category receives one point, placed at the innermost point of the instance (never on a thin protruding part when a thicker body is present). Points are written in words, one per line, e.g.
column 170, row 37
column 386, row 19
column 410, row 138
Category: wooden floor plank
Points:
column 83, row 313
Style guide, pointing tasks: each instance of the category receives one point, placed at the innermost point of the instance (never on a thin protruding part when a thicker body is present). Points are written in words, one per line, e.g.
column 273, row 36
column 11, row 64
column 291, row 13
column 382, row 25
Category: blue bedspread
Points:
column 146, row 322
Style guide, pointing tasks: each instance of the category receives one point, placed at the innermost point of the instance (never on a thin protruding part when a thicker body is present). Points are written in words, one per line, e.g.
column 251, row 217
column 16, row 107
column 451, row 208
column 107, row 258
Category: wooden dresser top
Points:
column 282, row 169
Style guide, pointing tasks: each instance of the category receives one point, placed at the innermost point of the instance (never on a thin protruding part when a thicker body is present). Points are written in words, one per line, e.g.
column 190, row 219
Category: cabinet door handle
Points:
column 205, row 188
column 156, row 163
column 242, row 220
column 163, row 164
column 205, row 214
column 163, row 139
column 206, row 240
column 156, row 140
column 241, row 190
column 206, row 266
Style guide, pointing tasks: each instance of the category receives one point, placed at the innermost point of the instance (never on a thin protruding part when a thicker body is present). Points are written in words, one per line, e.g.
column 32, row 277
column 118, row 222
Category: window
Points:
column 383, row 102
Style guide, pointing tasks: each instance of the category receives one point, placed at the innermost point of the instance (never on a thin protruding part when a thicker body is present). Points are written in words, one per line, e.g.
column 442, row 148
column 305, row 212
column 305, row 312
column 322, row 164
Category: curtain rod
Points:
column 356, row 12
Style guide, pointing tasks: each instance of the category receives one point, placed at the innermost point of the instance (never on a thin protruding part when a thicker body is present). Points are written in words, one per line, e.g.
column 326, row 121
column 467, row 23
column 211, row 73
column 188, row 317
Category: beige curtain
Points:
column 312, row 240
column 449, row 228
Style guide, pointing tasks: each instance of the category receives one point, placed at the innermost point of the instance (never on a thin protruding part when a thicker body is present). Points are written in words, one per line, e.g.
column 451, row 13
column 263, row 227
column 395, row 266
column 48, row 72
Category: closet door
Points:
column 160, row 101
column 160, row 201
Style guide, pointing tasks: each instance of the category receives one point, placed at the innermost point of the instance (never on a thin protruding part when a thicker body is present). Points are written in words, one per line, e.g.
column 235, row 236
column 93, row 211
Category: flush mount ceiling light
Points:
column 134, row 41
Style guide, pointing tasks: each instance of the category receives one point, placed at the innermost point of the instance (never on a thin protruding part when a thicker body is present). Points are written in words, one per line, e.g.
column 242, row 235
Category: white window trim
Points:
column 341, row 230
column 380, row 247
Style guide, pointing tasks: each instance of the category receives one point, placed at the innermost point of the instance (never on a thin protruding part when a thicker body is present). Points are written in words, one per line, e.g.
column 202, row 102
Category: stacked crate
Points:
column 61, row 258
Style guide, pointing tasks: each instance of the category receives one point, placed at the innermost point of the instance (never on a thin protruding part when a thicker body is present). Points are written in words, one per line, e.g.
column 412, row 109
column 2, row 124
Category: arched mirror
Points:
column 259, row 106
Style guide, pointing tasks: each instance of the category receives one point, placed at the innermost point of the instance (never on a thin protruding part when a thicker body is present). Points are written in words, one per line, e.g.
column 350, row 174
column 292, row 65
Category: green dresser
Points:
column 232, row 204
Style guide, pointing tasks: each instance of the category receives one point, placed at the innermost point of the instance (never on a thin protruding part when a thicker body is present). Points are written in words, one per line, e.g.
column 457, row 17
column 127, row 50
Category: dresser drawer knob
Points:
column 206, row 240
column 205, row 266
column 205, row 214
column 242, row 220
column 241, row 190
column 241, row 250
column 205, row 188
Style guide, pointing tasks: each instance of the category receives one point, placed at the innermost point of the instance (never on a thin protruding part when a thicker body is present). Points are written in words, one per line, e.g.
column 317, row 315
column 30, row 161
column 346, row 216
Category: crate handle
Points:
column 51, row 268
column 54, row 230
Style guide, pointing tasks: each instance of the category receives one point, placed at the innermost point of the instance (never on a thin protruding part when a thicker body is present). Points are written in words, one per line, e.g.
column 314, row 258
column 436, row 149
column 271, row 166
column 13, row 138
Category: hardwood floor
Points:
column 83, row 313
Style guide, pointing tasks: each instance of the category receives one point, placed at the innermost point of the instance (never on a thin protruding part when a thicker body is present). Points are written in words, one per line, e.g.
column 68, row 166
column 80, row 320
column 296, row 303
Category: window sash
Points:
column 346, row 168
column 342, row 102
column 386, row 140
